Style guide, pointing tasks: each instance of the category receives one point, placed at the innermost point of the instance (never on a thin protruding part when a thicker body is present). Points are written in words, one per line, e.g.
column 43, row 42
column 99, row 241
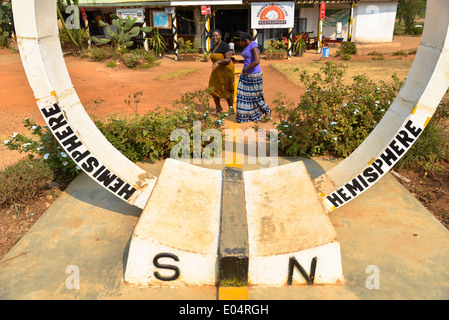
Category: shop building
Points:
column 360, row 21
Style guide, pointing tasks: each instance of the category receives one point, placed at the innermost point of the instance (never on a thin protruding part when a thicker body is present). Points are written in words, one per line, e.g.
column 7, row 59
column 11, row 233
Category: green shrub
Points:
column 66, row 41
column 431, row 149
column 275, row 46
column 140, row 138
column 400, row 53
column 24, row 181
column 111, row 64
column 147, row 137
column 44, row 144
column 138, row 58
column 332, row 118
column 131, row 58
column 6, row 23
column 346, row 47
column 101, row 53
column 187, row 46
column 346, row 56
column 378, row 57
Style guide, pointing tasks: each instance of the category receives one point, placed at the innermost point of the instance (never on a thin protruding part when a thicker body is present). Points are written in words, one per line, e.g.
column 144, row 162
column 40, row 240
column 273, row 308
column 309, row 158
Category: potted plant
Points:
column 157, row 43
column 187, row 50
column 206, row 56
column 299, row 46
column 276, row 49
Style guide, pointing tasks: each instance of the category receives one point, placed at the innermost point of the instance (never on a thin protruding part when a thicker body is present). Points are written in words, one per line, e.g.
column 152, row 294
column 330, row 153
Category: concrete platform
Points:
column 288, row 226
column 180, row 224
column 391, row 248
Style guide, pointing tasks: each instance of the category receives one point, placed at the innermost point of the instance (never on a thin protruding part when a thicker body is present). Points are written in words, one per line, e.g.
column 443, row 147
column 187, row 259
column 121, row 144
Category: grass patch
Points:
column 177, row 73
column 374, row 69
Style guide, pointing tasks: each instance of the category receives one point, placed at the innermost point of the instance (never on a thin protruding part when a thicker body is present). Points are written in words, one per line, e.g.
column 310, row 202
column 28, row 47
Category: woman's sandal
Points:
column 218, row 111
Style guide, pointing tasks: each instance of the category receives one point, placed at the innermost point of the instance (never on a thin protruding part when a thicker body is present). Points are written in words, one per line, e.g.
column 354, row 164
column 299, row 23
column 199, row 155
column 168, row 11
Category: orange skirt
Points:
column 222, row 79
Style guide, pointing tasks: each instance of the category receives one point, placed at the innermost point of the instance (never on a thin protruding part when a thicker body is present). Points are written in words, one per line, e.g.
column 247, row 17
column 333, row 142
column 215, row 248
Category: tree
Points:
column 6, row 23
column 408, row 10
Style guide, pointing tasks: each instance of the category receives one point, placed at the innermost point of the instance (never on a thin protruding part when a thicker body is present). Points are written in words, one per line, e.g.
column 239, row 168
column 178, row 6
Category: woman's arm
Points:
column 225, row 61
column 256, row 61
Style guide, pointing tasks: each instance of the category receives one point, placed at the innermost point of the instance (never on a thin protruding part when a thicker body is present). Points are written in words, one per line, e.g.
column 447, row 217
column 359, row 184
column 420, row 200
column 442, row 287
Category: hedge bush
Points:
column 332, row 117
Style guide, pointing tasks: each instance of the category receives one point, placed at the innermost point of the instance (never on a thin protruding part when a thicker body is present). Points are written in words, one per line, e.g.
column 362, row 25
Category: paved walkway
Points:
column 387, row 238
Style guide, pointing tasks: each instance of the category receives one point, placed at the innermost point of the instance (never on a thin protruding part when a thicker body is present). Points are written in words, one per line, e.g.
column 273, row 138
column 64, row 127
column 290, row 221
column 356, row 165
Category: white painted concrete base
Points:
column 274, row 270
column 286, row 221
column 177, row 236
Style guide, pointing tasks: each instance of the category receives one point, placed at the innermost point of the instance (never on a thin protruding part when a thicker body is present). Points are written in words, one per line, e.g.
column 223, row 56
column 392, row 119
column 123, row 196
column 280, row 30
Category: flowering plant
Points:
column 43, row 144
column 333, row 116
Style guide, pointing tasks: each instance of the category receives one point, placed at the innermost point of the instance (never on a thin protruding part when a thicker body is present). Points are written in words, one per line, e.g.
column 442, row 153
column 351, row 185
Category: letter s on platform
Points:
column 166, row 266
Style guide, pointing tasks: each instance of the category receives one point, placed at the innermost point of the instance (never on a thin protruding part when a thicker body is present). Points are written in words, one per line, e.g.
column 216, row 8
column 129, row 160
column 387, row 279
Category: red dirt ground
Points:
column 93, row 81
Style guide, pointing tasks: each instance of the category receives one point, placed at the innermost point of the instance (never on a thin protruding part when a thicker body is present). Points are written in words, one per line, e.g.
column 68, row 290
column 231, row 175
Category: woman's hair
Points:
column 242, row 36
column 217, row 30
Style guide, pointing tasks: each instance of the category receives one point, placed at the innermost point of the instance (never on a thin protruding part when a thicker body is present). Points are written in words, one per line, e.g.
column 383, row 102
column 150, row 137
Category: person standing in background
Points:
column 222, row 78
column 251, row 105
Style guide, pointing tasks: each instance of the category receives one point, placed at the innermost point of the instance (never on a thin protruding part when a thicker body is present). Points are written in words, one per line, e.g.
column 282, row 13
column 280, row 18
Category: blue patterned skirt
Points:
column 251, row 105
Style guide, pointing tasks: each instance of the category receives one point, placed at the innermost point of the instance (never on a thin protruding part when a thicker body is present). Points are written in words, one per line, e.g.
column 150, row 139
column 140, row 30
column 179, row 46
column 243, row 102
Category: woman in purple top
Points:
column 251, row 105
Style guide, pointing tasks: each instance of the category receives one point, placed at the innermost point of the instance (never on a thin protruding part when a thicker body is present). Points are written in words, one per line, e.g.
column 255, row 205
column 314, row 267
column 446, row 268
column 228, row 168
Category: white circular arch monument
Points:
column 38, row 39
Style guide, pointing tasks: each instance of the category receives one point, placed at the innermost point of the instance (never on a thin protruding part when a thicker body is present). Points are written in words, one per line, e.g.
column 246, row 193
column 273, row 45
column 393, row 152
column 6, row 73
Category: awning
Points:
column 203, row 3
column 121, row 3
column 326, row 1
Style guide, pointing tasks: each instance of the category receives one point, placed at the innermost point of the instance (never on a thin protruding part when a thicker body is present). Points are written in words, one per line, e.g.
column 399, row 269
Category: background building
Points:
column 361, row 21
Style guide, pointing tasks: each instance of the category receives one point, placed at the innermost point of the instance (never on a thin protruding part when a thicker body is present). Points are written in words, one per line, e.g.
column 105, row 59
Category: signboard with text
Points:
column 205, row 10
column 132, row 13
column 269, row 15
column 322, row 10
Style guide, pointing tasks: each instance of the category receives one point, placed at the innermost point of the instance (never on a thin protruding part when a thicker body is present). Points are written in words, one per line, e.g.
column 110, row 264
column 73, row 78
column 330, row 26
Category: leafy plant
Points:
column 157, row 43
column 23, row 181
column 137, row 57
column 299, row 46
column 111, row 64
column 346, row 47
column 332, row 117
column 45, row 147
column 206, row 55
column 275, row 46
column 6, row 23
column 147, row 137
column 124, row 31
column 66, row 40
column 431, row 149
column 408, row 11
column 100, row 54
column 187, row 46
column 76, row 35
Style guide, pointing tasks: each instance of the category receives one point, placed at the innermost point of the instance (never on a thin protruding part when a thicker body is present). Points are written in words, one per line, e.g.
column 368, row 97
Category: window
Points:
column 186, row 24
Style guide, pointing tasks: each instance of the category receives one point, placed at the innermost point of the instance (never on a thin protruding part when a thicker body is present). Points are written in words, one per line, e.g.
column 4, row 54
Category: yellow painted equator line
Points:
column 233, row 293
column 234, row 159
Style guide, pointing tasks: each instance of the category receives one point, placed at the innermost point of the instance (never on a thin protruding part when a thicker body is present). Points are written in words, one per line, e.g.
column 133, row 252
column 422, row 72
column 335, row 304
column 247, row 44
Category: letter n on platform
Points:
column 292, row 240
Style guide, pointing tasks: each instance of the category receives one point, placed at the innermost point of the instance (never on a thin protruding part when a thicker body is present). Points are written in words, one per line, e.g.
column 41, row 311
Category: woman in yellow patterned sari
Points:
column 222, row 78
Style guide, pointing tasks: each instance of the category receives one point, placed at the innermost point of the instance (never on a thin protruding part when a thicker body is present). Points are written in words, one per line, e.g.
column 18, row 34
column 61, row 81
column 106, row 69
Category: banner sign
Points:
column 83, row 13
column 322, row 10
column 205, row 10
column 269, row 15
column 132, row 13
